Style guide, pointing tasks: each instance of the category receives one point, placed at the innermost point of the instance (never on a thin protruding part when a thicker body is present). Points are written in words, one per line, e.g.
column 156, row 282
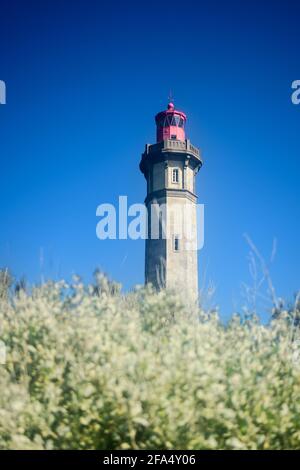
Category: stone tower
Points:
column 170, row 167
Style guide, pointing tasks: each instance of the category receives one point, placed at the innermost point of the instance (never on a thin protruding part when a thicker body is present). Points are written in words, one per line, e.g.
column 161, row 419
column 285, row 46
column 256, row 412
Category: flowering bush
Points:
column 91, row 368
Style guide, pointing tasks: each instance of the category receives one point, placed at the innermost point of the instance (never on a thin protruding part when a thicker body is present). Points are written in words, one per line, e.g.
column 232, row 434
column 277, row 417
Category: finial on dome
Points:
column 171, row 99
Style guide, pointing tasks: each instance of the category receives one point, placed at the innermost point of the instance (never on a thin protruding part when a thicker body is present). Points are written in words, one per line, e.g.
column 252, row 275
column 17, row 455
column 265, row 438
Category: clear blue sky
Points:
column 84, row 81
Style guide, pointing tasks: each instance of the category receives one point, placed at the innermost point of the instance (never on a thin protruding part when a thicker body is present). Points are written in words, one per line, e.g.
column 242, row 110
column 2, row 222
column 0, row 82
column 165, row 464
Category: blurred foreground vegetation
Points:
column 90, row 368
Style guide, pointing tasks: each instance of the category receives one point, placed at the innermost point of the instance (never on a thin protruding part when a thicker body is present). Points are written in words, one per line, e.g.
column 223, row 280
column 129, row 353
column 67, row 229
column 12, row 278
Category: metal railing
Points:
column 170, row 144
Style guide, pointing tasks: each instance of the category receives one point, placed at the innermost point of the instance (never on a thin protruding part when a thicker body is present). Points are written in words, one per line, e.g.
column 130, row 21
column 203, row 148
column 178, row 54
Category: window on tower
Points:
column 167, row 121
column 175, row 175
column 171, row 120
column 176, row 243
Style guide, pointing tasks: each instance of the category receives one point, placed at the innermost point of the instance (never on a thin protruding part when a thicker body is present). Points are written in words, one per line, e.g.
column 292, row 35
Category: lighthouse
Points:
column 170, row 167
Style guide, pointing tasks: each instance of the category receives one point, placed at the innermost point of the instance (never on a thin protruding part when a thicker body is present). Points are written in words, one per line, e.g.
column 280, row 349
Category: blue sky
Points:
column 84, row 81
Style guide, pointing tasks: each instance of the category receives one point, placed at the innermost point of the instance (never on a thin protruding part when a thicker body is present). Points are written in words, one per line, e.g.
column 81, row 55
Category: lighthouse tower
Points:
column 170, row 167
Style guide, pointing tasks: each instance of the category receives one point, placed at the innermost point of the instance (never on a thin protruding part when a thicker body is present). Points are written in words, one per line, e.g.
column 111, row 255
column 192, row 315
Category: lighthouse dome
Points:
column 170, row 124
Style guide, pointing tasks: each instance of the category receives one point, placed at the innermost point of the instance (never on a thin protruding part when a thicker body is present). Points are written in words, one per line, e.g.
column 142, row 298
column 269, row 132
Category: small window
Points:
column 176, row 243
column 173, row 136
column 175, row 175
column 177, row 120
column 181, row 123
column 172, row 120
column 167, row 121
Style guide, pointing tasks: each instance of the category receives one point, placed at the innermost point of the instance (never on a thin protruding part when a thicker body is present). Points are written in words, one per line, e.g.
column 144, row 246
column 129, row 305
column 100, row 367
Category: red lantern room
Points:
column 170, row 124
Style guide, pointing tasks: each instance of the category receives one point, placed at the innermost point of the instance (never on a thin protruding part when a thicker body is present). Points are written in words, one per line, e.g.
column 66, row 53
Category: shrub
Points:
column 91, row 368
